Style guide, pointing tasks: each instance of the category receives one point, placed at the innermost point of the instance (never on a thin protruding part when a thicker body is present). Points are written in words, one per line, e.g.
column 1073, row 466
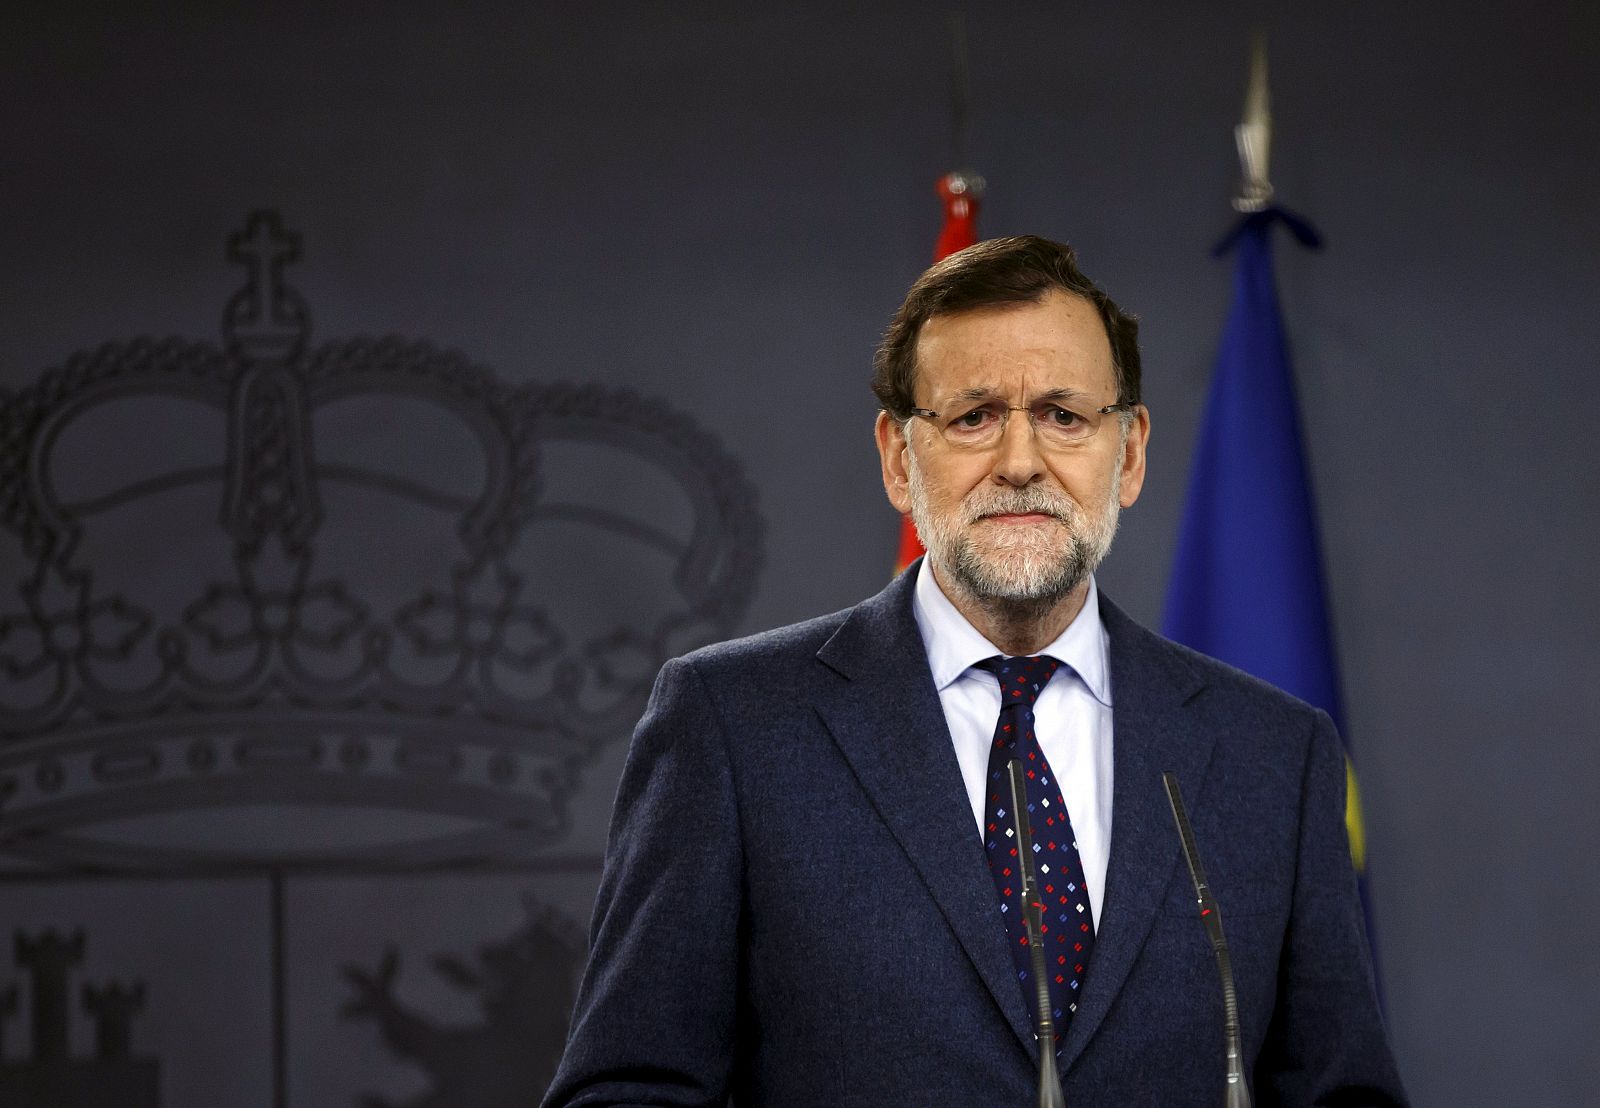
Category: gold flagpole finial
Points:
column 1253, row 135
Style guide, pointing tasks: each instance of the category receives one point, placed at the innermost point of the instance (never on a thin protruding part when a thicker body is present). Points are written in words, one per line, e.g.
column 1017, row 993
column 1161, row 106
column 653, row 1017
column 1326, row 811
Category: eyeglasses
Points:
column 1055, row 424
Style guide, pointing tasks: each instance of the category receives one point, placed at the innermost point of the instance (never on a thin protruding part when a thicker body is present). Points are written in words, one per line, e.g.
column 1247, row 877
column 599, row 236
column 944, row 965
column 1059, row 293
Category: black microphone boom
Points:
column 1238, row 1092
column 1050, row 1095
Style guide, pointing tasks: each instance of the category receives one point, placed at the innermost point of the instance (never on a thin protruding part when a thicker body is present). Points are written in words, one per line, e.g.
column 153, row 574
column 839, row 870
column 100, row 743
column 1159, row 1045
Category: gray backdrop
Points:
column 717, row 207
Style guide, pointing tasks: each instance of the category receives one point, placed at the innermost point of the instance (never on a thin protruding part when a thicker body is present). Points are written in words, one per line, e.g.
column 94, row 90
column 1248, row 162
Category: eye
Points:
column 1063, row 418
column 974, row 420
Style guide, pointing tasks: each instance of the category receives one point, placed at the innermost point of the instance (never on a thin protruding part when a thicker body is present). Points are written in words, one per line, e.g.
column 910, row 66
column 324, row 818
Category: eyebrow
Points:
column 983, row 393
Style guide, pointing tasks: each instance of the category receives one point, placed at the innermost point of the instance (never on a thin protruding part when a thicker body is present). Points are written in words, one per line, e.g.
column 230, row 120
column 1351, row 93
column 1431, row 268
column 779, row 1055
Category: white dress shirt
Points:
column 1072, row 717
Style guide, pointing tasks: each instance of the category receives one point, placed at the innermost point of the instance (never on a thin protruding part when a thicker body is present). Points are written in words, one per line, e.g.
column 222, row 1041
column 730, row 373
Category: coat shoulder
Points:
column 879, row 631
column 781, row 649
column 1226, row 686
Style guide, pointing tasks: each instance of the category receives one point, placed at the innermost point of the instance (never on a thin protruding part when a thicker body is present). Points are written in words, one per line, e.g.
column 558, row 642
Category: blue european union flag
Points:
column 1247, row 584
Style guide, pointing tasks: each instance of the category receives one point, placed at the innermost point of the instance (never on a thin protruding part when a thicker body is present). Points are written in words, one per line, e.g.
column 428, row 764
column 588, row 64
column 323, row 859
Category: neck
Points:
column 1017, row 627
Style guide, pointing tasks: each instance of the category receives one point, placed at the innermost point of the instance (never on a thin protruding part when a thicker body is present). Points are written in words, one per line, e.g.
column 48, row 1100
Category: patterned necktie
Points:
column 1067, row 922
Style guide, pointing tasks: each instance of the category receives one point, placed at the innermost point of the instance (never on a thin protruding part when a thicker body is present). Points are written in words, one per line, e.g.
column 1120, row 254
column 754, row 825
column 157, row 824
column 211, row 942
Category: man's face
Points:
column 1025, row 519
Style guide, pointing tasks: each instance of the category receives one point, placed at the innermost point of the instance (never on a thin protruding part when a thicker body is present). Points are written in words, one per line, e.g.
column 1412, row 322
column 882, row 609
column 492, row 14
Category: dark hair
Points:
column 1000, row 271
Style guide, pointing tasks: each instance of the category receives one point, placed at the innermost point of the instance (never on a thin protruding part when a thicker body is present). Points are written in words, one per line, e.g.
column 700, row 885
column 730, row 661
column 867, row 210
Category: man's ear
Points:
column 893, row 454
column 1132, row 460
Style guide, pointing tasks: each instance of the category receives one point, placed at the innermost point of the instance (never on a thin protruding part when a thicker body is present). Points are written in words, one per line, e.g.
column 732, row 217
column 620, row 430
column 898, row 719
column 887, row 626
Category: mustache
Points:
column 1022, row 502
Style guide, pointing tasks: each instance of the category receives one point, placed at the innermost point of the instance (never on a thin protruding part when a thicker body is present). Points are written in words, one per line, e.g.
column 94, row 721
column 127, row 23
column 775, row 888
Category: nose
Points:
column 1017, row 460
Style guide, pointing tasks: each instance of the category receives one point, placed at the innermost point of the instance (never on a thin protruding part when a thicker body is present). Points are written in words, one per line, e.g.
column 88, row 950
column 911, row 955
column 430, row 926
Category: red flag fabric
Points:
column 959, row 193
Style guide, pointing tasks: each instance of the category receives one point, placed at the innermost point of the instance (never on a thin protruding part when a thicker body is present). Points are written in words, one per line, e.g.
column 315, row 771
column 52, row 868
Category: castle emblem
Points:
column 51, row 1075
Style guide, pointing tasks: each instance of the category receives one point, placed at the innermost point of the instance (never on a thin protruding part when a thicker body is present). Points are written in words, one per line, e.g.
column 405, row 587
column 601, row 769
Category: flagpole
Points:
column 1248, row 584
column 960, row 192
column 1253, row 134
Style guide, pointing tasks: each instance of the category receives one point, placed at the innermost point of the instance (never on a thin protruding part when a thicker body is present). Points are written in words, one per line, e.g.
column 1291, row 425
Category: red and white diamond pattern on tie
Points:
column 1067, row 922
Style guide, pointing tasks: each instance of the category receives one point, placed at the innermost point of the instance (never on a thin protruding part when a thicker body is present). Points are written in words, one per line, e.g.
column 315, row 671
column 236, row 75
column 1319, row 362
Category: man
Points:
column 809, row 896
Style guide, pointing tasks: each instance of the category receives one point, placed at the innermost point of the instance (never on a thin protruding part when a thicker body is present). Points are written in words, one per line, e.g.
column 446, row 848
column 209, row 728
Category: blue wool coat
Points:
column 796, row 910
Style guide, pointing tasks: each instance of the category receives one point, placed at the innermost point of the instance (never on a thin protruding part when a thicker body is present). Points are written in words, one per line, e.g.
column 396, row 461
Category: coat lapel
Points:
column 1150, row 683
column 885, row 717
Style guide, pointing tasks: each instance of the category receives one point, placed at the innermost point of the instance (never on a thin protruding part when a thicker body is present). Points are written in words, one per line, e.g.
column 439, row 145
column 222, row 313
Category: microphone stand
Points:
column 1238, row 1092
column 1050, row 1095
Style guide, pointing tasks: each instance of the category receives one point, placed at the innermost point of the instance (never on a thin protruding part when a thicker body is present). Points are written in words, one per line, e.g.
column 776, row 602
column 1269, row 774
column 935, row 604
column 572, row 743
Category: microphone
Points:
column 1050, row 1095
column 1238, row 1093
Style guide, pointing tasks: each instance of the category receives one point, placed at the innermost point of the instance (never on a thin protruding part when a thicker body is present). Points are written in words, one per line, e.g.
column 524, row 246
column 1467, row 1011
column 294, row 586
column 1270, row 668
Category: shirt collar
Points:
column 955, row 646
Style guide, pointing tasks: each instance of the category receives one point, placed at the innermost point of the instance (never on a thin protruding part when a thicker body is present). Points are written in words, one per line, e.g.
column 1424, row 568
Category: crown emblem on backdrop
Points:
column 355, row 575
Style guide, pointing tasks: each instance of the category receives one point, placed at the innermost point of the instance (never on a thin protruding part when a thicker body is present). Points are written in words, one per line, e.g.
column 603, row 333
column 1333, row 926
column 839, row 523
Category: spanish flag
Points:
column 960, row 193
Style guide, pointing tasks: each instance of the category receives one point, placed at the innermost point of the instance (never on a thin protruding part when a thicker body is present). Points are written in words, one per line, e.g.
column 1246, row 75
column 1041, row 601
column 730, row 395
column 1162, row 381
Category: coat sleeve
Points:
column 655, row 1016
column 1326, row 1044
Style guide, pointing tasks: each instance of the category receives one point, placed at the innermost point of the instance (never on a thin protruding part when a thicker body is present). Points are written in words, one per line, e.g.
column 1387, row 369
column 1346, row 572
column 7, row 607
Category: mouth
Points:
column 1012, row 519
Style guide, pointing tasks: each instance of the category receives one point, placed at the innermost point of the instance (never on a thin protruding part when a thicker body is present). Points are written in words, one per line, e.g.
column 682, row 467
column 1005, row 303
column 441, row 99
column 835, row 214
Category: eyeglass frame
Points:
column 928, row 414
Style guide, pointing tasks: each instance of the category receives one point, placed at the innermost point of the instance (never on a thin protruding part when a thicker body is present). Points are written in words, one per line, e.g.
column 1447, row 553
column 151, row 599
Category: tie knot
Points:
column 1021, row 679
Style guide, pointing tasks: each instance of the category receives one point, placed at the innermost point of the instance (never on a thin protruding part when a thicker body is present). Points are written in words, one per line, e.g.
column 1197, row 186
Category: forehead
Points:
column 1017, row 350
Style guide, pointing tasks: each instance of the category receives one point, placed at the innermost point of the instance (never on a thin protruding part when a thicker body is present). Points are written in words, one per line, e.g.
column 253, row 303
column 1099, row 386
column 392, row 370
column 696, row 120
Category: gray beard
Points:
column 1019, row 581
column 1039, row 589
